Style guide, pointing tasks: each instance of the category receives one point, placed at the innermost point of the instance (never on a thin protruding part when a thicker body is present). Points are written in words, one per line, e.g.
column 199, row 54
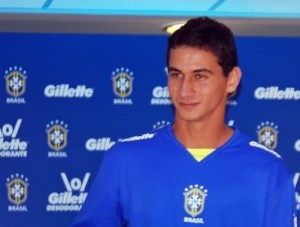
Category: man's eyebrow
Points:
column 195, row 71
column 203, row 70
column 173, row 69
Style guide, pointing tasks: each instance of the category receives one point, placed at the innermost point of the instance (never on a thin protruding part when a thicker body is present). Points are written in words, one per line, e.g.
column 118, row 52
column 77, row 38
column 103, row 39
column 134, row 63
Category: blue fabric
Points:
column 152, row 180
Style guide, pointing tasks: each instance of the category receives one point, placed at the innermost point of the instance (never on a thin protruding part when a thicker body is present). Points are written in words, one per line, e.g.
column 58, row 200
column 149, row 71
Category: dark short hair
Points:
column 208, row 34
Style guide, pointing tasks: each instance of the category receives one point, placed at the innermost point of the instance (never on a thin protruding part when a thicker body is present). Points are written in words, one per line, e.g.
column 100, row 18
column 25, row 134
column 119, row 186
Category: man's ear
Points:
column 233, row 79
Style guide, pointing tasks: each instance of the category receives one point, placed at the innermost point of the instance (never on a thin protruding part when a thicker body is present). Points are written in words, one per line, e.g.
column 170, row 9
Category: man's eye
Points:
column 176, row 75
column 200, row 76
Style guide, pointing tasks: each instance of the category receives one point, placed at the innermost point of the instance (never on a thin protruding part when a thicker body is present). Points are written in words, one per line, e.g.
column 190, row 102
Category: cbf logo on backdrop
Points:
column 57, row 138
column 15, row 78
column 267, row 133
column 17, row 192
column 231, row 100
column 160, row 124
column 11, row 146
column 122, row 86
column 194, row 203
column 72, row 198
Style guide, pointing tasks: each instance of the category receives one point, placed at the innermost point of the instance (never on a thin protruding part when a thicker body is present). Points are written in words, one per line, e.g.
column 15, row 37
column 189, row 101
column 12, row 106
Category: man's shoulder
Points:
column 144, row 140
column 127, row 149
column 258, row 157
column 255, row 149
column 255, row 146
column 143, row 137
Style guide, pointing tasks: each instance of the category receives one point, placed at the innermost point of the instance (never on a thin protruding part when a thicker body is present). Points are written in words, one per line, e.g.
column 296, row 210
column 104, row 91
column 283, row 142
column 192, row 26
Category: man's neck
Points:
column 201, row 135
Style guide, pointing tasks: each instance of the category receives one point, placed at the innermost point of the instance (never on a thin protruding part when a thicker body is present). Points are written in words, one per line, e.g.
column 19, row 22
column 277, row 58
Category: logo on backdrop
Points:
column 231, row 100
column 99, row 144
column 194, row 203
column 160, row 96
column 297, row 188
column 11, row 146
column 160, row 124
column 72, row 198
column 297, row 145
column 15, row 78
column 122, row 86
column 230, row 123
column 57, row 138
column 267, row 133
column 17, row 192
column 275, row 93
column 65, row 91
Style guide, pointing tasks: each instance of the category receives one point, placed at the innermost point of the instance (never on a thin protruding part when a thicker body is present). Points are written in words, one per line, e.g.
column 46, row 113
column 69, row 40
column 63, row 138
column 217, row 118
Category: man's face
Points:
column 196, row 84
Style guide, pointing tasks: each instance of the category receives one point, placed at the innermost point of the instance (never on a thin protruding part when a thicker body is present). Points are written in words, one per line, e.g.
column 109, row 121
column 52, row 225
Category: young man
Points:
column 199, row 171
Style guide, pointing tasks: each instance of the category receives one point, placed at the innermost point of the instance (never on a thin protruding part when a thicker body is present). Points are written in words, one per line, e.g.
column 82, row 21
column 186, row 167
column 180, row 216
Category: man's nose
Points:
column 187, row 87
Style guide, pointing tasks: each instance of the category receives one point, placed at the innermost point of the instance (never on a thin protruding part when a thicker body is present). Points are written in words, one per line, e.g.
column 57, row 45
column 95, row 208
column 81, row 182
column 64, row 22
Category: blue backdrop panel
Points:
column 66, row 99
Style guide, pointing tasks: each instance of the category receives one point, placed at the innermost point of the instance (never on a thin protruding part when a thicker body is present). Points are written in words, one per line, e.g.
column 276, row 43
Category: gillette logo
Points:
column 65, row 91
column 160, row 96
column 10, row 144
column 297, row 145
column 101, row 144
column 71, row 199
column 274, row 93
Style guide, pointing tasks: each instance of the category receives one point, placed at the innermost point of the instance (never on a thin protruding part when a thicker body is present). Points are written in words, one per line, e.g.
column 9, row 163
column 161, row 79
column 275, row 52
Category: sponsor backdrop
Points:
column 66, row 99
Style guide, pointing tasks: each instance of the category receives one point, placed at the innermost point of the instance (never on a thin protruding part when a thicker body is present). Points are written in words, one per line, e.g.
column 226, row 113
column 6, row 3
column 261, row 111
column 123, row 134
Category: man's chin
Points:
column 188, row 117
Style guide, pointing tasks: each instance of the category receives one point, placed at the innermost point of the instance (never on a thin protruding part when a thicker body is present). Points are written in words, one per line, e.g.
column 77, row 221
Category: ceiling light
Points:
column 171, row 28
